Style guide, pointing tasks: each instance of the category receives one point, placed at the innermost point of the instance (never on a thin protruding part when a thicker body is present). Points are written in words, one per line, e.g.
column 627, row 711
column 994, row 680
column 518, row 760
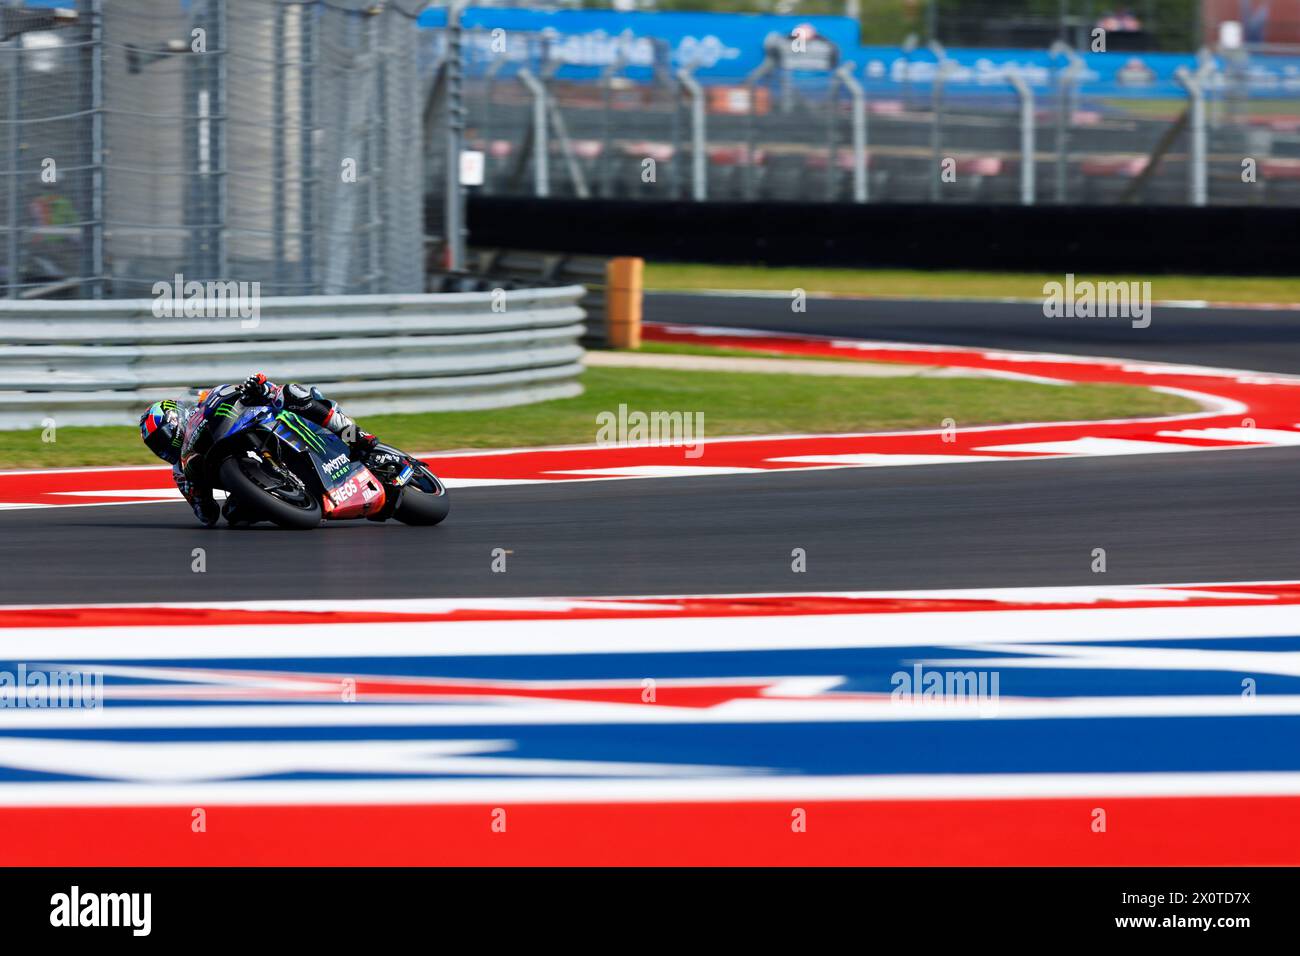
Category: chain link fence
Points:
column 47, row 170
column 928, row 130
column 228, row 141
column 289, row 142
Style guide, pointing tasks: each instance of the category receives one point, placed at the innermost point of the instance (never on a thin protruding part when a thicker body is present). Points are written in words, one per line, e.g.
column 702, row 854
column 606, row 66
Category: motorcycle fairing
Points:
column 348, row 489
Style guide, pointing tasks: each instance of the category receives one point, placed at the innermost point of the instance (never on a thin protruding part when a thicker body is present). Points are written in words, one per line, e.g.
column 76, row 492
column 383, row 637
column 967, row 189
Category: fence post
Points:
column 307, row 158
column 673, row 86
column 908, row 48
column 15, row 177
column 562, row 138
column 93, row 259
column 699, row 145
column 1213, row 108
column 381, row 172
column 278, row 125
column 1065, row 110
column 936, row 116
column 832, row 101
column 486, row 122
column 454, row 215
column 1196, row 180
column 1026, row 96
column 541, row 149
column 368, row 162
column 607, row 76
column 859, row 130
column 220, row 128
column 751, row 102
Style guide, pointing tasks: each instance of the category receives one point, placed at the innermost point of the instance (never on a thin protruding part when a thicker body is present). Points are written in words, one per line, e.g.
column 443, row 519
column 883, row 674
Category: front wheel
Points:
column 269, row 490
column 424, row 499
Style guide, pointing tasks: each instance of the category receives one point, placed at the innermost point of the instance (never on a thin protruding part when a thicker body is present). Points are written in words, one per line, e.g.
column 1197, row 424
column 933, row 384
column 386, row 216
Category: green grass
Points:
column 924, row 284
column 733, row 403
column 74, row 446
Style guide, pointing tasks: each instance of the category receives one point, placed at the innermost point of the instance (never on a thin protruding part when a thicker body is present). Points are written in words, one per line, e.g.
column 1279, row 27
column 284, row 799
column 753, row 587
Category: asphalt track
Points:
column 1259, row 339
column 1214, row 516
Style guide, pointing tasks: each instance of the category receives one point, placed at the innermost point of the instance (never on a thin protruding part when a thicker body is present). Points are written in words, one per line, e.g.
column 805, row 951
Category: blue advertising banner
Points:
column 719, row 45
column 724, row 48
column 1112, row 74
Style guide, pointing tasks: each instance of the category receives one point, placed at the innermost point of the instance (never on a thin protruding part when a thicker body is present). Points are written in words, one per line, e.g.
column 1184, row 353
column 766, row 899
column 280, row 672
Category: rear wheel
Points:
column 424, row 499
column 272, row 491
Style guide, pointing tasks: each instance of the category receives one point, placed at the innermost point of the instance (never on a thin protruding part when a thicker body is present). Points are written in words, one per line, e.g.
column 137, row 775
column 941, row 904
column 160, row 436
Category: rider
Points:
column 173, row 430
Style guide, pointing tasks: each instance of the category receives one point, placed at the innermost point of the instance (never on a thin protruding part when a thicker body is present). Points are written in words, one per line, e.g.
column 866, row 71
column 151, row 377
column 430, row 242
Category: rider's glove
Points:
column 254, row 390
column 361, row 446
column 206, row 510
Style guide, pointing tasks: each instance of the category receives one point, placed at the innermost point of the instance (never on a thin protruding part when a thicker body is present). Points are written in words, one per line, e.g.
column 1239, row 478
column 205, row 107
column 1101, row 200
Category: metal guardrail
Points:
column 89, row 362
column 563, row 267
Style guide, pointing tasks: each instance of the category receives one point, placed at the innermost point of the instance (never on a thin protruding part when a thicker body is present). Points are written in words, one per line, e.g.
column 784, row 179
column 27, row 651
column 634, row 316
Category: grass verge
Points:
column 733, row 403
column 662, row 276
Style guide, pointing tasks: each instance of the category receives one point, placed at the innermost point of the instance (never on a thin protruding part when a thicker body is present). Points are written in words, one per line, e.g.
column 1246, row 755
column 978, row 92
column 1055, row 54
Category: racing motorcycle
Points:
column 280, row 467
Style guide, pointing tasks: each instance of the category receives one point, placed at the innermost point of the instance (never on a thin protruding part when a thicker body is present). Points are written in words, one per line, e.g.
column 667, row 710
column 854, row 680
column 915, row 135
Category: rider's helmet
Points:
column 160, row 429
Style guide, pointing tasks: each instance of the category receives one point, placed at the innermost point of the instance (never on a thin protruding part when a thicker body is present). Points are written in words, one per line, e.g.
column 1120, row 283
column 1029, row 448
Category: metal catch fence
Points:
column 269, row 141
column 926, row 128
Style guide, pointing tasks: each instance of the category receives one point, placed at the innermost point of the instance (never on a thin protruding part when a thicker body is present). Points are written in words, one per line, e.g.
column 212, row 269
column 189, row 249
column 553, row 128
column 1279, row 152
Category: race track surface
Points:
column 1212, row 516
column 1248, row 338
column 1191, row 517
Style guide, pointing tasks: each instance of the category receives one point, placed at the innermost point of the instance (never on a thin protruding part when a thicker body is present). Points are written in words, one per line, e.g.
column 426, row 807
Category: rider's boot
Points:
column 235, row 515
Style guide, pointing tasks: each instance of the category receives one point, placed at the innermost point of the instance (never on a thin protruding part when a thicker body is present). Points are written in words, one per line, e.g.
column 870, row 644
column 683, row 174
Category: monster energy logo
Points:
column 300, row 428
column 224, row 410
column 337, row 467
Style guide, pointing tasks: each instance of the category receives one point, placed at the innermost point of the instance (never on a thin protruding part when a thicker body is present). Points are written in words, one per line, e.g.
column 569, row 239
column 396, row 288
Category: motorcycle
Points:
column 282, row 468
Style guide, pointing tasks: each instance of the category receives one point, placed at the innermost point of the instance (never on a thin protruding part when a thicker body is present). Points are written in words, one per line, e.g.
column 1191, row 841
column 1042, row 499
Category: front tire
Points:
column 424, row 500
column 257, row 488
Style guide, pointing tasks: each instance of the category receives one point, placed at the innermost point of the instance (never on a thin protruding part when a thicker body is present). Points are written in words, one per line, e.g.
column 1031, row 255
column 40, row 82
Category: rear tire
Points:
column 300, row 516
